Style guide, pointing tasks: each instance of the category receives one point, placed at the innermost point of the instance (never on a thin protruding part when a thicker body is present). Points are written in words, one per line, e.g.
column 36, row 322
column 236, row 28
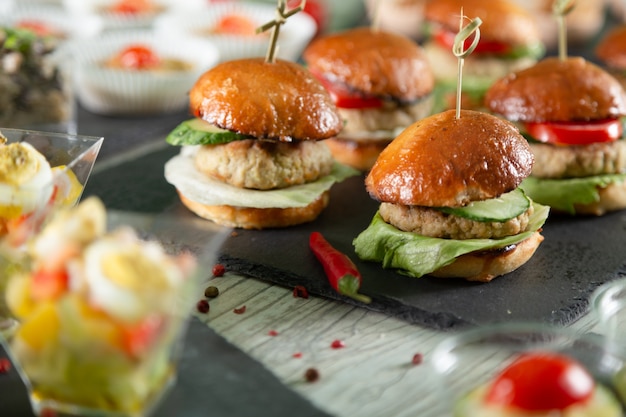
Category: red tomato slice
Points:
column 235, row 25
column 346, row 99
column 445, row 38
column 541, row 382
column 576, row 133
column 38, row 27
column 49, row 285
column 140, row 337
column 138, row 57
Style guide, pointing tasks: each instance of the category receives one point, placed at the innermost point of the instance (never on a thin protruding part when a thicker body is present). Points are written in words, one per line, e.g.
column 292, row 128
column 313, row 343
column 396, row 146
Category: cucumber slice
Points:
column 500, row 209
column 198, row 132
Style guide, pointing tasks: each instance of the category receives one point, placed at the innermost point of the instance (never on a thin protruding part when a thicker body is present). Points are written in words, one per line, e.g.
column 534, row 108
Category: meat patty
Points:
column 388, row 118
column 434, row 223
column 265, row 165
column 553, row 161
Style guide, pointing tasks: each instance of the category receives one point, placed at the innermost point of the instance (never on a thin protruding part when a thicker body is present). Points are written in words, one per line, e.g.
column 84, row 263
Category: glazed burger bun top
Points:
column 279, row 100
column 557, row 90
column 611, row 49
column 503, row 20
column 444, row 161
column 374, row 62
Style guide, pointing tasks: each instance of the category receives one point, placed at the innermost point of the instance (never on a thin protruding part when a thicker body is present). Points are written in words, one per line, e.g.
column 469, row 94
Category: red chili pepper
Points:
column 341, row 272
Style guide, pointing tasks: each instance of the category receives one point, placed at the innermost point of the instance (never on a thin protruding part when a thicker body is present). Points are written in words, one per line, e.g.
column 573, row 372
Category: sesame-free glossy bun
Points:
column 486, row 265
column 558, row 90
column 374, row 62
column 611, row 49
column 258, row 218
column 503, row 20
column 279, row 100
column 444, row 161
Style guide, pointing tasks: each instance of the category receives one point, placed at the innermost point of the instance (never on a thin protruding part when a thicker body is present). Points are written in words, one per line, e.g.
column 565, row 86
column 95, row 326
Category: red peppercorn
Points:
column 240, row 310
column 418, row 358
column 272, row 333
column 219, row 270
column 300, row 292
column 203, row 306
column 337, row 344
column 5, row 365
column 311, row 375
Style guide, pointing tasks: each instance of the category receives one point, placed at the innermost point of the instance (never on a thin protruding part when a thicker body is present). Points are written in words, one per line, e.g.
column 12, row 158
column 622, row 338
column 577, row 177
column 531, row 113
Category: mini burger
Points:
column 450, row 202
column 253, row 157
column 509, row 41
column 380, row 81
column 611, row 52
column 571, row 111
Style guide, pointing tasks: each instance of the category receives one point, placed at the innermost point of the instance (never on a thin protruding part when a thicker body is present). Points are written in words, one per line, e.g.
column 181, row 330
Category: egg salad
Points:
column 29, row 187
column 99, row 312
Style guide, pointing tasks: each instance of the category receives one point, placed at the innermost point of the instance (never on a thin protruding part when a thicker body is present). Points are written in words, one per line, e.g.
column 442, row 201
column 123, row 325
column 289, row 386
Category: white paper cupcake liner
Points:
column 109, row 91
column 294, row 35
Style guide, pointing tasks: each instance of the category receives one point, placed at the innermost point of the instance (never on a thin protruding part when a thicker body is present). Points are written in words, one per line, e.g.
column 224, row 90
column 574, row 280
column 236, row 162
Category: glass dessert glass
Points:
column 464, row 366
column 71, row 157
column 94, row 351
column 608, row 306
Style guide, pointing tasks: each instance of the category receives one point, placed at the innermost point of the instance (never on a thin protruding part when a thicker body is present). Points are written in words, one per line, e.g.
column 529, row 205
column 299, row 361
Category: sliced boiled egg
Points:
column 25, row 179
column 130, row 278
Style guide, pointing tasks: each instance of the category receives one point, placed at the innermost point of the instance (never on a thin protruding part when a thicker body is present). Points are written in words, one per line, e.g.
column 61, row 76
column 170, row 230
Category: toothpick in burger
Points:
column 510, row 41
column 254, row 156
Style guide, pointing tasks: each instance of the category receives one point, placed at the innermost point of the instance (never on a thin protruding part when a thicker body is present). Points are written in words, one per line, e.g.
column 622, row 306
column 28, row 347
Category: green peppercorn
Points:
column 211, row 292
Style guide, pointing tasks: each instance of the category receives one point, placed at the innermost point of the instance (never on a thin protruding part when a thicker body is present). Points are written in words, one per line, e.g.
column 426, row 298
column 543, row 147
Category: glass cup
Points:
column 608, row 306
column 71, row 157
column 77, row 358
column 464, row 366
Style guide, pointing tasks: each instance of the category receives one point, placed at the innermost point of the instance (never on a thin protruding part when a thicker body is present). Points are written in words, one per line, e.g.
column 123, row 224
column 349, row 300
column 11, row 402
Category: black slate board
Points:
column 578, row 255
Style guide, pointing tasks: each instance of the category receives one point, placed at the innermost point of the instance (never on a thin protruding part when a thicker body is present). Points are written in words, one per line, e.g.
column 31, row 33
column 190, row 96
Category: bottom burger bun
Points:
column 360, row 155
column 258, row 218
column 484, row 266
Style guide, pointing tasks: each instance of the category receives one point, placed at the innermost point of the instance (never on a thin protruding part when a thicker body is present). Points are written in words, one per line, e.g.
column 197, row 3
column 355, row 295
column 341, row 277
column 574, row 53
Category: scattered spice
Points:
column 211, row 292
column 5, row 365
column 203, row 306
column 311, row 375
column 219, row 270
column 417, row 359
column 272, row 333
column 234, row 234
column 300, row 292
column 341, row 272
column 297, row 355
column 240, row 310
column 337, row 344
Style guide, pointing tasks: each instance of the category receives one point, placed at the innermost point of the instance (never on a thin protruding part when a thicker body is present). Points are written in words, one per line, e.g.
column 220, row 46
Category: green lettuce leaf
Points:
column 180, row 171
column 416, row 255
column 564, row 194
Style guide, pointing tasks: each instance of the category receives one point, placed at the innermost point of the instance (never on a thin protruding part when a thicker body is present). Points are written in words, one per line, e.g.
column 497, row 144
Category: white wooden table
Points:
column 372, row 375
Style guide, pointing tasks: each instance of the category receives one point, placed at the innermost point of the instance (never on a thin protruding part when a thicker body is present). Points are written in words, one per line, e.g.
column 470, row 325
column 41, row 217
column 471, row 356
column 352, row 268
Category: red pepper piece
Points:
column 341, row 272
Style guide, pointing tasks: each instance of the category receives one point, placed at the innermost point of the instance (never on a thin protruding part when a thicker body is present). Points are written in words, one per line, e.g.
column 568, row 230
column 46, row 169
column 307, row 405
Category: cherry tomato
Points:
column 316, row 9
column 235, row 25
column 445, row 38
column 131, row 6
column 576, row 133
column 346, row 99
column 541, row 381
column 138, row 57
